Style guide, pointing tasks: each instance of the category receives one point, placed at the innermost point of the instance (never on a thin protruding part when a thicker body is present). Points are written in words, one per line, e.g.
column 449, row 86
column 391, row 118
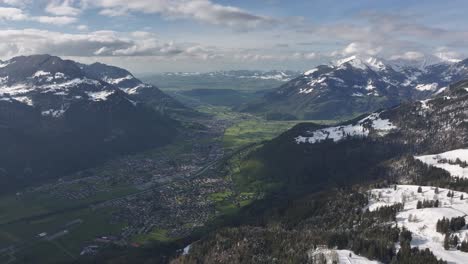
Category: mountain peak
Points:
column 361, row 62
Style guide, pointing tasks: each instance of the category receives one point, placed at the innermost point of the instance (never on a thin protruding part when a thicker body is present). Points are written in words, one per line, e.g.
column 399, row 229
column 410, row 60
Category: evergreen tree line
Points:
column 427, row 204
column 446, row 226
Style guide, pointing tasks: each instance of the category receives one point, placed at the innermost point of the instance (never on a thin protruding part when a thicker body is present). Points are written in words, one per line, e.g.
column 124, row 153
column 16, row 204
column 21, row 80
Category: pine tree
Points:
column 446, row 242
column 436, row 191
column 455, row 240
column 419, row 205
column 461, row 197
column 419, row 189
column 436, row 203
column 464, row 246
column 449, row 194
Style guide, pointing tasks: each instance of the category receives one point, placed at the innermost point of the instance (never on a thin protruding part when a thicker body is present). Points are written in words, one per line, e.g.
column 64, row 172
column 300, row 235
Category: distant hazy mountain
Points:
column 356, row 85
column 58, row 115
column 236, row 80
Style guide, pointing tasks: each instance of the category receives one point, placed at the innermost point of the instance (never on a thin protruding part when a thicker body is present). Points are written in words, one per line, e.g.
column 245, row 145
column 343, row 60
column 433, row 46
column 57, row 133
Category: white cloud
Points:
column 16, row 14
column 448, row 55
column 82, row 28
column 62, row 8
column 409, row 55
column 55, row 20
column 11, row 13
column 99, row 43
column 200, row 10
column 359, row 48
column 19, row 3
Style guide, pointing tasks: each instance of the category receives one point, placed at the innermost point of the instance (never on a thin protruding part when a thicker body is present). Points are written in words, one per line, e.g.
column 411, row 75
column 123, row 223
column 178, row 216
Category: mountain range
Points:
column 245, row 80
column 343, row 187
column 355, row 85
column 58, row 115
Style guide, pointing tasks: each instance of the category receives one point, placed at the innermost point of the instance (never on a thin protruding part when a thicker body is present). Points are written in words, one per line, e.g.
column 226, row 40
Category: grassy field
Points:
column 258, row 130
column 157, row 234
column 66, row 247
column 247, row 128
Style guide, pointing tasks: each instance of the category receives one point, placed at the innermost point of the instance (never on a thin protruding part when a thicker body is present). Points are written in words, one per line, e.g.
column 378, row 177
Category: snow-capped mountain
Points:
column 355, row 85
column 52, row 84
column 58, row 115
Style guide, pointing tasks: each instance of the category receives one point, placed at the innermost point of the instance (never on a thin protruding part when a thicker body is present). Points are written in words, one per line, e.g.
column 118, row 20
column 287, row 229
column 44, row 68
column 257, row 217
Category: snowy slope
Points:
column 362, row 128
column 354, row 259
column 444, row 160
column 332, row 256
column 423, row 223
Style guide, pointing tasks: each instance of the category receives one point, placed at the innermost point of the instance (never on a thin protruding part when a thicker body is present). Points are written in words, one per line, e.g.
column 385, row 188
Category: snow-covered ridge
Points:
column 100, row 96
column 54, row 113
column 361, row 129
column 307, row 73
column 22, row 91
column 452, row 161
column 427, row 87
column 4, row 64
column 118, row 80
column 422, row 222
column 362, row 63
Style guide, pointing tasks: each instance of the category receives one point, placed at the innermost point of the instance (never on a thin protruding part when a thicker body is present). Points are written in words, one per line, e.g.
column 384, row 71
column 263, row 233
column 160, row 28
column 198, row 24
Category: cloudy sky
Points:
column 205, row 35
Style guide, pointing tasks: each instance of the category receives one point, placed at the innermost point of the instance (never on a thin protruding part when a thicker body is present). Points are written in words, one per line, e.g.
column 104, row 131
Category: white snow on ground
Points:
column 306, row 90
column 424, row 104
column 99, row 96
column 442, row 161
column 360, row 129
column 21, row 89
column 423, row 221
column 134, row 90
column 24, row 100
column 16, row 89
column 59, row 75
column 354, row 259
column 332, row 256
column 41, row 74
column 370, row 86
column 427, row 87
column 117, row 81
column 354, row 61
column 186, row 250
column 53, row 113
column 4, row 64
column 307, row 73
column 441, row 90
column 375, row 63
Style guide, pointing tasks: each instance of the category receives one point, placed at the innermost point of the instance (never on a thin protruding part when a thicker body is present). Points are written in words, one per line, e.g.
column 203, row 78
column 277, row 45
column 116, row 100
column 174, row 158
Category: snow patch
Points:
column 307, row 73
column 99, row 96
column 39, row 74
column 451, row 161
column 422, row 222
column 427, row 87
column 4, row 64
column 54, row 113
column 24, row 100
column 360, row 129
column 119, row 80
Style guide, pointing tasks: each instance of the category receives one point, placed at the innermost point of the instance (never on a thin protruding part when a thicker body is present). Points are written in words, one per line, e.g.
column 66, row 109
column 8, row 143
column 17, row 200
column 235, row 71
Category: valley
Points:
column 160, row 195
column 233, row 132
